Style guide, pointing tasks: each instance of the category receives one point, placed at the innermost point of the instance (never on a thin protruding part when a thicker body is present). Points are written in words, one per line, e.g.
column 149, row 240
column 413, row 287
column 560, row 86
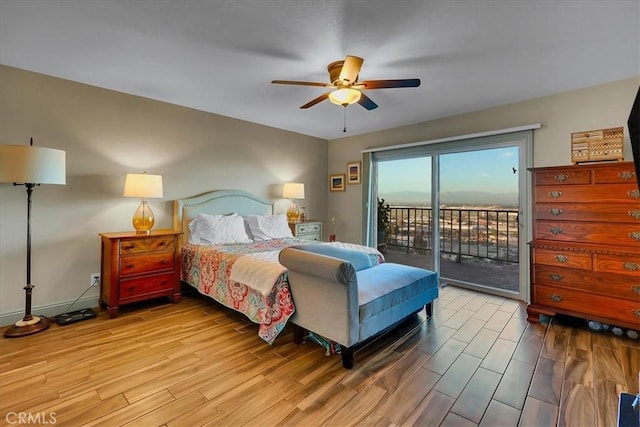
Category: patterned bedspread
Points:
column 247, row 277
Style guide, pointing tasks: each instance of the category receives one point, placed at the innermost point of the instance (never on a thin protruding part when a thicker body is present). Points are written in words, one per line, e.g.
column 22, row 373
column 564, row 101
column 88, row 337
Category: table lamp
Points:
column 144, row 186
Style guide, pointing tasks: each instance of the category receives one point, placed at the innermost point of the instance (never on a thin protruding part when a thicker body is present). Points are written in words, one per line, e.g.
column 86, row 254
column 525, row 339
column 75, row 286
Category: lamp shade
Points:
column 26, row 164
column 293, row 190
column 143, row 185
column 344, row 96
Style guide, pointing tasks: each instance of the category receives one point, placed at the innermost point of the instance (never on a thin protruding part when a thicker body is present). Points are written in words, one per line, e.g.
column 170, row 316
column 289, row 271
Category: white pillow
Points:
column 217, row 230
column 266, row 227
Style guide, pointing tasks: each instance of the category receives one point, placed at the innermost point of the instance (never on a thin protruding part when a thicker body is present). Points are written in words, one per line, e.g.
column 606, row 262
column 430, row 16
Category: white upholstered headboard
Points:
column 221, row 202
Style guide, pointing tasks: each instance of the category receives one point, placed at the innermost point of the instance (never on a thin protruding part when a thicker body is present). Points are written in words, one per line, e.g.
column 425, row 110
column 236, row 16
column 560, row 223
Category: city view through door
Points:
column 478, row 216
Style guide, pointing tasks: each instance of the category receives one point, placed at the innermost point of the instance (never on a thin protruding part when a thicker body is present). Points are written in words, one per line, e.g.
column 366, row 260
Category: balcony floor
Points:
column 495, row 274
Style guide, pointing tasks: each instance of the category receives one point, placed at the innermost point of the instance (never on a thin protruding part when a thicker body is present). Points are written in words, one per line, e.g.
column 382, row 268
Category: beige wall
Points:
column 105, row 135
column 596, row 107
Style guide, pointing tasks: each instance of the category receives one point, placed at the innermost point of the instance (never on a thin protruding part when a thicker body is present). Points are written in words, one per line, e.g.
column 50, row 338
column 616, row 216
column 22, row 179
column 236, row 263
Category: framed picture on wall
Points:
column 353, row 172
column 336, row 182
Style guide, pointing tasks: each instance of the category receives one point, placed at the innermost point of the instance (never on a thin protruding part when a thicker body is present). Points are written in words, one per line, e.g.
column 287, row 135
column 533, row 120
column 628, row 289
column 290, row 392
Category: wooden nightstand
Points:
column 136, row 267
column 308, row 230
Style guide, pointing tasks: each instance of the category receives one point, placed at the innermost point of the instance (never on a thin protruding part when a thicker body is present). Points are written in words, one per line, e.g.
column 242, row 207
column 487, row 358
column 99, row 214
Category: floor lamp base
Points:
column 22, row 328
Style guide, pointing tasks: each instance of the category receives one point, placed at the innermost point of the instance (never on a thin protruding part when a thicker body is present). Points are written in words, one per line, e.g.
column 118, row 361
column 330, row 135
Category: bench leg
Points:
column 347, row 357
column 298, row 334
column 429, row 309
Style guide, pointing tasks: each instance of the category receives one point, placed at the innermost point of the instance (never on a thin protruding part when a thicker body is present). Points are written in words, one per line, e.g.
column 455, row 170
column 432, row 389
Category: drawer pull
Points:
column 556, row 297
column 636, row 289
column 128, row 247
column 631, row 266
column 555, row 194
column 164, row 262
column 634, row 194
column 131, row 265
column 626, row 175
column 555, row 277
column 635, row 214
column 555, row 211
column 636, row 312
column 555, row 230
column 635, row 235
column 562, row 258
column 561, row 177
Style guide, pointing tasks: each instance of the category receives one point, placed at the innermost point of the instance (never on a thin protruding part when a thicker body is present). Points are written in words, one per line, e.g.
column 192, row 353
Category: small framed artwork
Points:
column 353, row 172
column 336, row 182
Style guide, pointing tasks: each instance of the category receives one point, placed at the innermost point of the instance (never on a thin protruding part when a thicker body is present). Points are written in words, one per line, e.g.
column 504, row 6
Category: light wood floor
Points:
column 478, row 362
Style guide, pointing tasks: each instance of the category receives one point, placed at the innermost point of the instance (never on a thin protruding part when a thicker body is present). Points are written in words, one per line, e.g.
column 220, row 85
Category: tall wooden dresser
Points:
column 586, row 247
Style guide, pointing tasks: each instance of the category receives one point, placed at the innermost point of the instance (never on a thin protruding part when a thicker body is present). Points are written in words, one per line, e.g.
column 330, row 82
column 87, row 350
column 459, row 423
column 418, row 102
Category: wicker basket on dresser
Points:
column 586, row 248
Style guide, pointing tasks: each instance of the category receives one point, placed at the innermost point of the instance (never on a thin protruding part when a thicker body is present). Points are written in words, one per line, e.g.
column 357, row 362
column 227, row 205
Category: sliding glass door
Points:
column 476, row 237
column 479, row 209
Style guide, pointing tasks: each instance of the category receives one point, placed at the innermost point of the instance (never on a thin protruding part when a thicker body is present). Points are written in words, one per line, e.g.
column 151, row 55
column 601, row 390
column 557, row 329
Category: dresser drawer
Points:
column 563, row 177
column 627, row 265
column 619, row 212
column 590, row 305
column 614, row 285
column 589, row 232
column 603, row 193
column 146, row 263
column 146, row 244
column 614, row 175
column 142, row 287
column 565, row 259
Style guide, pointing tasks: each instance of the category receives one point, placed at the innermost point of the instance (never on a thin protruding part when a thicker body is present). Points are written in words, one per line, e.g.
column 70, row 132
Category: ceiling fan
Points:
column 347, row 89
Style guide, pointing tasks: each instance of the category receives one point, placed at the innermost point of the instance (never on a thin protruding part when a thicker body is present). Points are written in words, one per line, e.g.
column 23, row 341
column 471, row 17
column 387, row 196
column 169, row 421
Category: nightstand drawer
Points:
column 142, row 287
column 136, row 264
column 146, row 245
column 308, row 228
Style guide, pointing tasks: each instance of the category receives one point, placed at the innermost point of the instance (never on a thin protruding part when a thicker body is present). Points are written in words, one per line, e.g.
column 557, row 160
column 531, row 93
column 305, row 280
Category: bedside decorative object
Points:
column 293, row 191
column 145, row 186
column 30, row 166
column 353, row 172
column 136, row 267
column 597, row 145
column 336, row 182
column 307, row 230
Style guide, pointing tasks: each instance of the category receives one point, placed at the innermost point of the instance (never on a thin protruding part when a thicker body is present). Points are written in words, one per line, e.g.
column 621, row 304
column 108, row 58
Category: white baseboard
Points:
column 7, row 319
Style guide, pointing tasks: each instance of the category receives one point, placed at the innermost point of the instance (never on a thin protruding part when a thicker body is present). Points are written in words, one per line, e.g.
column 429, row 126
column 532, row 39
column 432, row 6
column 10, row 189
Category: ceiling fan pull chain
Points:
column 344, row 129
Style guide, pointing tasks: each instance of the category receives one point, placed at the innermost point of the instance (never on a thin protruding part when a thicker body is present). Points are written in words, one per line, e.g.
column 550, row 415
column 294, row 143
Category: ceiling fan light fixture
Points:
column 344, row 96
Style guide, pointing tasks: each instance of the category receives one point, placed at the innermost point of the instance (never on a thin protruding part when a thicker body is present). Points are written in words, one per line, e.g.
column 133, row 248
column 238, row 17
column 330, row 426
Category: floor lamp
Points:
column 30, row 166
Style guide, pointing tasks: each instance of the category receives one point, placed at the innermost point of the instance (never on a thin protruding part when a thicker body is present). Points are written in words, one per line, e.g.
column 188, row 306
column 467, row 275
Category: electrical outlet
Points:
column 95, row 279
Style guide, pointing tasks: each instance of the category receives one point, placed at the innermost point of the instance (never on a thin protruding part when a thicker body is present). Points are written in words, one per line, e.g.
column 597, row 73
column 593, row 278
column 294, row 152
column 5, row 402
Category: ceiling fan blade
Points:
column 316, row 100
column 386, row 84
column 366, row 102
column 292, row 82
column 351, row 69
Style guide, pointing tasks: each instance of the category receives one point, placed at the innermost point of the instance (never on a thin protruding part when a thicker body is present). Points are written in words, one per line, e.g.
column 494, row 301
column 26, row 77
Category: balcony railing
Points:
column 481, row 233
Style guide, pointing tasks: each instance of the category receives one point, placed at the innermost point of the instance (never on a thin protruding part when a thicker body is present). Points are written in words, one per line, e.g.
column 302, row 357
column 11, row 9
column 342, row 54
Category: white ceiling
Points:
column 221, row 55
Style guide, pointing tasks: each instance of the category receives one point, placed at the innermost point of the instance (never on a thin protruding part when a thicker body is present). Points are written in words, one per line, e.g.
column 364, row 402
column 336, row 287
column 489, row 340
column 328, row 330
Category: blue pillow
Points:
column 360, row 260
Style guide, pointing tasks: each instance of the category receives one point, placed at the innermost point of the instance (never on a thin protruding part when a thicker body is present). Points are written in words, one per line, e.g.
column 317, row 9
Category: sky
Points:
column 482, row 170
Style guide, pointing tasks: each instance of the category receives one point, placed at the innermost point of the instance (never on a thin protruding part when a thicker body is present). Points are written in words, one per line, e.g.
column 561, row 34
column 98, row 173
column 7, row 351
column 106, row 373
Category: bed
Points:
column 245, row 275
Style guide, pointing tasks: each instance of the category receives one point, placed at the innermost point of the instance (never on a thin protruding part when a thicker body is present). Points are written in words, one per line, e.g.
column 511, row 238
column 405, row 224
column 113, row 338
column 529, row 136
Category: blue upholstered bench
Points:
column 345, row 297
